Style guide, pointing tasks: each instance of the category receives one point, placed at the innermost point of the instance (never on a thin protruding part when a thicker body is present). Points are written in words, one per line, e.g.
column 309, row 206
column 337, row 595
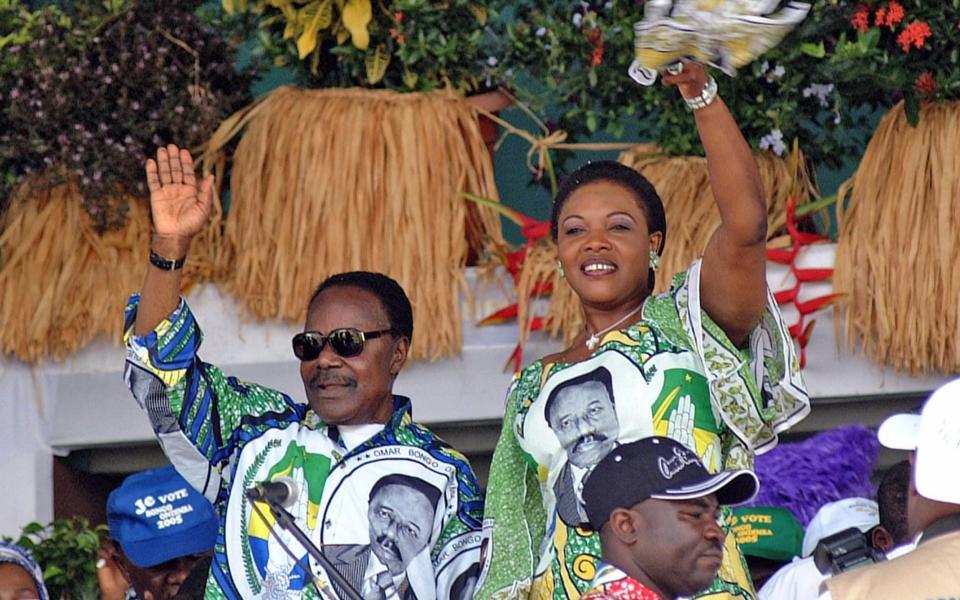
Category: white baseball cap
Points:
column 935, row 435
column 834, row 517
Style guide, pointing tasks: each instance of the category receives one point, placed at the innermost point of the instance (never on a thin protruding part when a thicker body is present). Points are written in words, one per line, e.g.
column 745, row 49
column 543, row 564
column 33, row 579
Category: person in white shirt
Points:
column 933, row 508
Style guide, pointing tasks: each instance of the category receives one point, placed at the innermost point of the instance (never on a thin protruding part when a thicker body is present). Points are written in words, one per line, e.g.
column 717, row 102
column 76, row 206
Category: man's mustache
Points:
column 323, row 378
column 589, row 438
column 388, row 544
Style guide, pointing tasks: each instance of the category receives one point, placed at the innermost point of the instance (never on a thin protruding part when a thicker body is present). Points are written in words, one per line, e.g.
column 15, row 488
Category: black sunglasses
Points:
column 346, row 342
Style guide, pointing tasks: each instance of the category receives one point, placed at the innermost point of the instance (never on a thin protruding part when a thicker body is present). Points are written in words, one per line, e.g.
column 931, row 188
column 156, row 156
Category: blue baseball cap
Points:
column 157, row 516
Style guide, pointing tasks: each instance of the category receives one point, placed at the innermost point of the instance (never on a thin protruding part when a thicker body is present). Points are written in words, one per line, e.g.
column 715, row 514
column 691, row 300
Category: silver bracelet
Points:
column 706, row 97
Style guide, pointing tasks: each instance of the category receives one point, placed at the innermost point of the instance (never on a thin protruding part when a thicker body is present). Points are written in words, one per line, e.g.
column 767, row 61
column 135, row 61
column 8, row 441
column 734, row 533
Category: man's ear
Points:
column 401, row 348
column 626, row 525
column 881, row 538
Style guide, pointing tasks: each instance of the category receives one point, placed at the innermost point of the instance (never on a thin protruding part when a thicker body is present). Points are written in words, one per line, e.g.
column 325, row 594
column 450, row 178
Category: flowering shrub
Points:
column 405, row 45
column 897, row 49
column 580, row 53
column 90, row 94
column 817, row 86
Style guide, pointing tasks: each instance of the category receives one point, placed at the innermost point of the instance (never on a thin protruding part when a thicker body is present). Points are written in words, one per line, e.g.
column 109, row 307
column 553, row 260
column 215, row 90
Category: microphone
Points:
column 282, row 491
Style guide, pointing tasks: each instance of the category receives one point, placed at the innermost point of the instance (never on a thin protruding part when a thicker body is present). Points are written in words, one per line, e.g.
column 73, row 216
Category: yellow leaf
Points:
column 356, row 16
column 289, row 13
column 376, row 63
column 315, row 12
column 409, row 78
column 325, row 14
column 228, row 6
column 479, row 12
column 315, row 61
column 342, row 35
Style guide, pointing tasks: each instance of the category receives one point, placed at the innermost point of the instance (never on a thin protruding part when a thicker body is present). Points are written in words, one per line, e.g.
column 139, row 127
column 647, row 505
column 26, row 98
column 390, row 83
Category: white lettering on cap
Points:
column 681, row 458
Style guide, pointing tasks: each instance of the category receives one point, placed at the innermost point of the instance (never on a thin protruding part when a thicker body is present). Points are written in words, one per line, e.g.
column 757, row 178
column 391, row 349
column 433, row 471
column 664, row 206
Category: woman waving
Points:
column 709, row 363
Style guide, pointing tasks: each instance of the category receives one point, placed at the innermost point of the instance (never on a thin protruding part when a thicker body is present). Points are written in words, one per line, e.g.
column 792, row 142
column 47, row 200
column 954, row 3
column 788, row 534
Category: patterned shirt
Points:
column 613, row 584
column 225, row 435
column 674, row 373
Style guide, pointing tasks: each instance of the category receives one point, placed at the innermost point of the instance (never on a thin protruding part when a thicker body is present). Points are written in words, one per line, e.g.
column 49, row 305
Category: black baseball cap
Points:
column 662, row 468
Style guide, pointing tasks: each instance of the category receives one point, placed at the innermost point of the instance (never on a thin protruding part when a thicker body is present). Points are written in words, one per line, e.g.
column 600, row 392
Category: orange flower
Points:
column 395, row 34
column 861, row 20
column 894, row 13
column 926, row 84
column 398, row 16
column 914, row 34
column 596, row 57
column 880, row 19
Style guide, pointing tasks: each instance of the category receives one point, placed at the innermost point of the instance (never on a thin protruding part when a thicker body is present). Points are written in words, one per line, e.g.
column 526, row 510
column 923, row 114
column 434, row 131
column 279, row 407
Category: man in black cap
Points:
column 657, row 509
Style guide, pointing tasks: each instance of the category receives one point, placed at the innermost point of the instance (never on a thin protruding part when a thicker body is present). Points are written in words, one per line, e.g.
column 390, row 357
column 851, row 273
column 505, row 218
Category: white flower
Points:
column 772, row 74
column 577, row 19
column 820, row 91
column 542, row 31
column 773, row 141
column 492, row 61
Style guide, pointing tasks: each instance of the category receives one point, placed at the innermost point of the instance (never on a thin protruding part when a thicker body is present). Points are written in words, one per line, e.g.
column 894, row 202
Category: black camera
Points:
column 845, row 550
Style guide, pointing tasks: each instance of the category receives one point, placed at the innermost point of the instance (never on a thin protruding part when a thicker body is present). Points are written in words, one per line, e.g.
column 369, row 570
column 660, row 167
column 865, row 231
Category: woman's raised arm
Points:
column 733, row 280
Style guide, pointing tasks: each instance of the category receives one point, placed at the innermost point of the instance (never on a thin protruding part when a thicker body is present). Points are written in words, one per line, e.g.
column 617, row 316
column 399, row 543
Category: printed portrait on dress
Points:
column 581, row 412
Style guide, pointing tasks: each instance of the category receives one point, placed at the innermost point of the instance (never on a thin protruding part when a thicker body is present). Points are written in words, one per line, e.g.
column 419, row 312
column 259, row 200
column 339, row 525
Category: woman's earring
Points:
column 560, row 269
column 654, row 260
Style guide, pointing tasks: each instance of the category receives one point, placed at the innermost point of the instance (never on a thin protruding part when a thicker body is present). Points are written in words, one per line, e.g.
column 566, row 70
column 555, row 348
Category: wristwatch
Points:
column 706, row 97
column 165, row 263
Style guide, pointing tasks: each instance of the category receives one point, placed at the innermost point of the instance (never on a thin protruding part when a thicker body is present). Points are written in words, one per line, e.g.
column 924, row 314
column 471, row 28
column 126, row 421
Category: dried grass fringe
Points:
column 898, row 255
column 326, row 181
column 684, row 186
column 64, row 284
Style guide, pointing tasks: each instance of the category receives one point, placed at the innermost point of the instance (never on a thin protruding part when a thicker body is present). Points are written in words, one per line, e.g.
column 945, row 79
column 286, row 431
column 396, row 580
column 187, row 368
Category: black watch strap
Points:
column 165, row 263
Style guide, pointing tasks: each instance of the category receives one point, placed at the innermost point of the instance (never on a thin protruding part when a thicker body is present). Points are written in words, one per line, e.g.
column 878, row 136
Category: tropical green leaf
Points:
column 814, row 50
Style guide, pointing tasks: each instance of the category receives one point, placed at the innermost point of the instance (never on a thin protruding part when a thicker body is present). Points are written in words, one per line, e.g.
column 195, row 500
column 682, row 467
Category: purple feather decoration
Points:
column 828, row 466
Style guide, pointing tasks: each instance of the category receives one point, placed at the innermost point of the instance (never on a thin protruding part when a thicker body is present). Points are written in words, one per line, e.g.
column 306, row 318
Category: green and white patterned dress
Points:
column 673, row 373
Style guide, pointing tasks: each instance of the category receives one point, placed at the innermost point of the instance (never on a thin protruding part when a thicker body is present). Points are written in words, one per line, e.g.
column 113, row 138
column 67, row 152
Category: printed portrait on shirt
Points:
column 401, row 511
column 383, row 519
column 378, row 515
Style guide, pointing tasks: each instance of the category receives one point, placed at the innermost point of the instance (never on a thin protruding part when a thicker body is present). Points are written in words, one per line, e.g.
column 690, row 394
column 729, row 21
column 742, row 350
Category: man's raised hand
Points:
column 180, row 204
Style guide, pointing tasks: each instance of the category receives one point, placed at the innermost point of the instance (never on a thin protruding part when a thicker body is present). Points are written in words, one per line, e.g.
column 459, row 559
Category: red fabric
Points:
column 626, row 588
